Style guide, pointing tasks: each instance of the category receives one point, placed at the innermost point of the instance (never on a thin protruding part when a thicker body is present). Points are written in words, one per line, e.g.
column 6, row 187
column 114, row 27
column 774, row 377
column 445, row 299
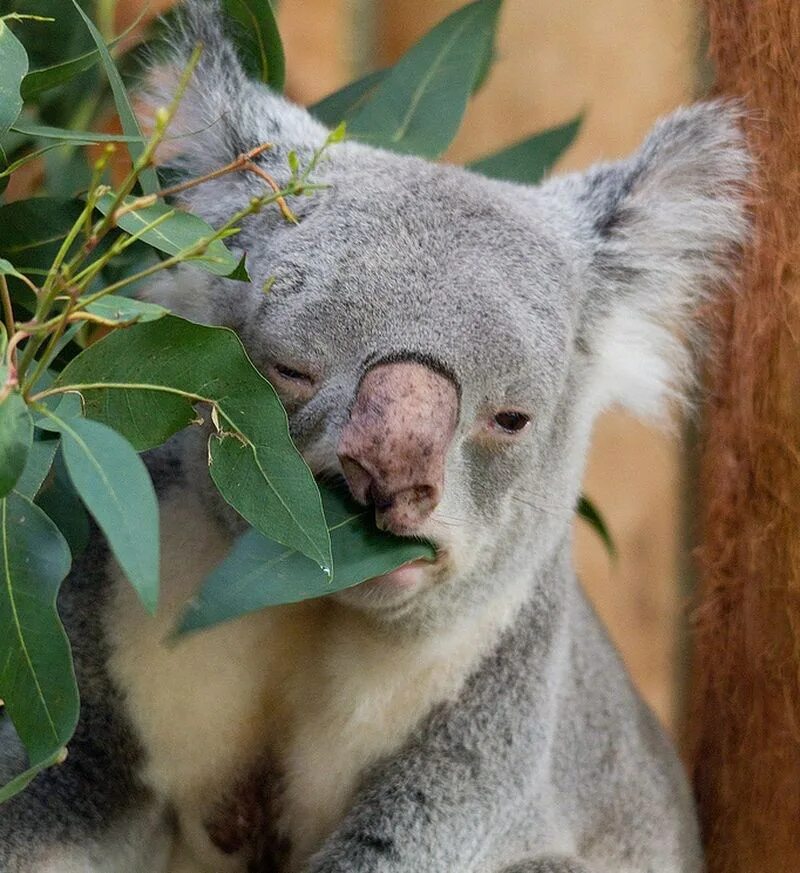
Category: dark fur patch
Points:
column 245, row 820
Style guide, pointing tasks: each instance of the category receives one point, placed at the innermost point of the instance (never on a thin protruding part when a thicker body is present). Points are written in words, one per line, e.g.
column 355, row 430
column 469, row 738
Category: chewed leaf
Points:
column 259, row 572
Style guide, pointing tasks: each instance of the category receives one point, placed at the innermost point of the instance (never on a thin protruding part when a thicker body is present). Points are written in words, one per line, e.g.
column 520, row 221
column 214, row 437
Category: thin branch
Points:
column 280, row 200
column 239, row 163
column 8, row 309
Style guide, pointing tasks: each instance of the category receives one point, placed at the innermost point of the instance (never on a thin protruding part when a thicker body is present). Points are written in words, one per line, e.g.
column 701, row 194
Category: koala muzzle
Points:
column 393, row 448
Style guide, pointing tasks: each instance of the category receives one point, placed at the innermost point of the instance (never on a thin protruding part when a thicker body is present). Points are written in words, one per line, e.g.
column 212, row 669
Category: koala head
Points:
column 443, row 341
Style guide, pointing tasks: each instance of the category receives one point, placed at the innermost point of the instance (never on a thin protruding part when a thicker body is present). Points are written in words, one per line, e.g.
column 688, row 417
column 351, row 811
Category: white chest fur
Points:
column 315, row 684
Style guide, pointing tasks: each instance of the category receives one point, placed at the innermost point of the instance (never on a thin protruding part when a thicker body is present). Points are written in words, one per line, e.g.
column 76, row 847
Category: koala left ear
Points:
column 221, row 115
column 658, row 232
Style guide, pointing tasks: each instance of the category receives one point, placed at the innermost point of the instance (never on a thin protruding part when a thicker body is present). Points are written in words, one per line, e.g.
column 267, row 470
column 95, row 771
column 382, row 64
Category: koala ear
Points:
column 222, row 114
column 659, row 232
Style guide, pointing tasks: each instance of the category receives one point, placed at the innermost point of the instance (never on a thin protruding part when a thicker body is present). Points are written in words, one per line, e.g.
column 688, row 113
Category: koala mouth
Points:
column 408, row 580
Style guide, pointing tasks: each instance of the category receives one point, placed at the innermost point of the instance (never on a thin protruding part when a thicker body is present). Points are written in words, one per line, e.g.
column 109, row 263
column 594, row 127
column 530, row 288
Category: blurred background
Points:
column 621, row 63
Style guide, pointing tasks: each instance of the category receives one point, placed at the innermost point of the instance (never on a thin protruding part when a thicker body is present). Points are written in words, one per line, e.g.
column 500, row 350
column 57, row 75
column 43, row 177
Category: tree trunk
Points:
column 744, row 743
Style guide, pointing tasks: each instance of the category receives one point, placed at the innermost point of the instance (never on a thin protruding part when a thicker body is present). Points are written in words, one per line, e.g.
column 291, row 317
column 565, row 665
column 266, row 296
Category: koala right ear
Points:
column 653, row 235
column 222, row 114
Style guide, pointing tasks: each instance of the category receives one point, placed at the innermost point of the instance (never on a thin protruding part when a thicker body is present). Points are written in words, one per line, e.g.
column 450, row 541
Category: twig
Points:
column 8, row 310
column 280, row 200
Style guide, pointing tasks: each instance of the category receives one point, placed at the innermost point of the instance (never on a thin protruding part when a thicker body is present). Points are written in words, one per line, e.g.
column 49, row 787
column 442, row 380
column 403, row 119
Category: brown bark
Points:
column 744, row 744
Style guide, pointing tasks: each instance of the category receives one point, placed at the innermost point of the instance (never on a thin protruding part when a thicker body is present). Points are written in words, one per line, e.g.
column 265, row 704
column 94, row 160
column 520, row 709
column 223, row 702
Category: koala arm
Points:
column 436, row 805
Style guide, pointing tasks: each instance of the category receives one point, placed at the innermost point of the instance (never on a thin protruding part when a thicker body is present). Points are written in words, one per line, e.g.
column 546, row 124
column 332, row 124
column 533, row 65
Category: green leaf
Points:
column 59, row 499
column 259, row 572
column 13, row 67
column 589, row 513
column 113, row 482
column 418, row 106
column 530, row 159
column 38, row 464
column 126, row 309
column 176, row 232
column 8, row 269
column 16, row 435
column 79, row 137
column 45, row 78
column 257, row 39
column 38, row 81
column 147, row 178
column 21, row 782
column 31, row 231
column 340, row 105
column 143, row 380
column 37, row 682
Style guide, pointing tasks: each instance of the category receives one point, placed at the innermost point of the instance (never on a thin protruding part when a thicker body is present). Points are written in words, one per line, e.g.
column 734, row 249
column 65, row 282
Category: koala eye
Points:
column 293, row 375
column 511, row 421
column 293, row 383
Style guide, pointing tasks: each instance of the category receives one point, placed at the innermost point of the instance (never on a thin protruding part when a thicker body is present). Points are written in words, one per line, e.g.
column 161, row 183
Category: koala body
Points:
column 443, row 342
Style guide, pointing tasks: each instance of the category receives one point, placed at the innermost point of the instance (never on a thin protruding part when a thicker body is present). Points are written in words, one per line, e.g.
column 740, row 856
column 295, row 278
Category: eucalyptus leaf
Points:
column 37, row 681
column 257, row 40
column 417, row 108
column 115, row 486
column 259, row 572
column 43, row 79
column 8, row 169
column 529, row 160
column 592, row 515
column 38, row 464
column 22, row 780
column 8, row 269
column 341, row 104
column 143, row 381
column 16, row 436
column 125, row 309
column 31, row 231
column 13, row 67
column 147, row 178
column 176, row 232
column 59, row 499
column 76, row 137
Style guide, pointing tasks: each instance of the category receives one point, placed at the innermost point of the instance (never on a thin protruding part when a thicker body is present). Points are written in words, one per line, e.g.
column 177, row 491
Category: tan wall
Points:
column 621, row 62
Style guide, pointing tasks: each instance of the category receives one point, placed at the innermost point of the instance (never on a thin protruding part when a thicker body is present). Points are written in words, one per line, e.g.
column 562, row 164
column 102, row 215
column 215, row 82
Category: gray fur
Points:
column 558, row 300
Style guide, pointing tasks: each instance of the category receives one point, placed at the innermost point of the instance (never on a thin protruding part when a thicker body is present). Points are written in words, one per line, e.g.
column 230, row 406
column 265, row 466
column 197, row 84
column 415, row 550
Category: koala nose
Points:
column 394, row 446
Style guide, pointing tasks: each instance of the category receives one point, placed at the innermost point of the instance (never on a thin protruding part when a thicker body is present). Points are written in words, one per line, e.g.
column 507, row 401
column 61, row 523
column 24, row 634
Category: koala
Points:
column 443, row 344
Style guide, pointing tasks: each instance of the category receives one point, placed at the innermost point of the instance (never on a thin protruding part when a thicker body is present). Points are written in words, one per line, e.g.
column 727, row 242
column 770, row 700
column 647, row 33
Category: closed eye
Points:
column 292, row 375
column 292, row 384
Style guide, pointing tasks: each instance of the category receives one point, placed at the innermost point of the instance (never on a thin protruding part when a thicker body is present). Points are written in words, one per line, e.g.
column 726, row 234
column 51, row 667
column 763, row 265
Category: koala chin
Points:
column 443, row 343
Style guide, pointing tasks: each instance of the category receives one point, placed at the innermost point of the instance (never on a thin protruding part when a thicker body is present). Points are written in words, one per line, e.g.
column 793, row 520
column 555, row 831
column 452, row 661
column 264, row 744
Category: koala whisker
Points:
column 452, row 521
column 547, row 509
